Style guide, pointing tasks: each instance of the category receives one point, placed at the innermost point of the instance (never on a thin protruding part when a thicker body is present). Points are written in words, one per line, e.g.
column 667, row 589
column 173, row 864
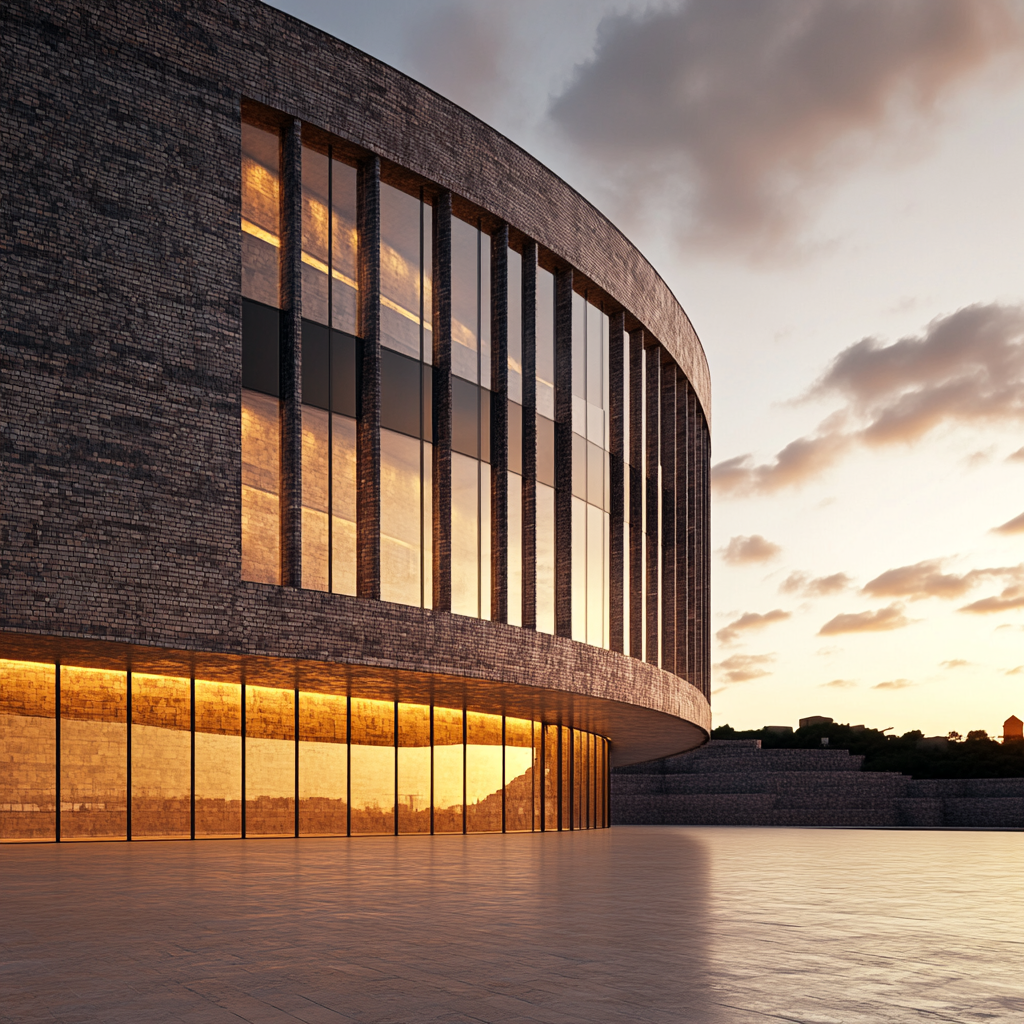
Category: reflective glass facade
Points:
column 601, row 447
column 96, row 754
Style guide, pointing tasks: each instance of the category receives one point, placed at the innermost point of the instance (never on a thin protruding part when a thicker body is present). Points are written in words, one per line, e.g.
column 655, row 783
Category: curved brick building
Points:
column 354, row 468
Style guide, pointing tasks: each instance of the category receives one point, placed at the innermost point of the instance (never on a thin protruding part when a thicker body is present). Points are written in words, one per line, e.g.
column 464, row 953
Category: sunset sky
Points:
column 834, row 191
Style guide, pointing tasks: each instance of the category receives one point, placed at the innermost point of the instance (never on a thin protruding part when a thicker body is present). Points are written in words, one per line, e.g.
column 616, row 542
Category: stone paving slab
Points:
column 636, row 924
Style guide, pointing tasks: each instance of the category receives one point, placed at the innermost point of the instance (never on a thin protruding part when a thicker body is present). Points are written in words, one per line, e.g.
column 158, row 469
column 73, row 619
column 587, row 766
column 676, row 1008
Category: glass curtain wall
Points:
column 471, row 420
column 591, row 503
column 406, row 411
column 219, row 760
column 545, row 376
column 515, row 438
column 330, row 358
column 261, row 300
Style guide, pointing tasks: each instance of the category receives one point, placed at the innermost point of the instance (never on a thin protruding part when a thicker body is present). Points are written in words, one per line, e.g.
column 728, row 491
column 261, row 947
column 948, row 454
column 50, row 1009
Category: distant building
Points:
column 1013, row 730
column 815, row 720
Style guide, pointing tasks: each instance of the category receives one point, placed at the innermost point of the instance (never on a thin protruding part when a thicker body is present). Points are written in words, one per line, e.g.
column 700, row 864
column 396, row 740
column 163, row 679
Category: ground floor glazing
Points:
column 88, row 753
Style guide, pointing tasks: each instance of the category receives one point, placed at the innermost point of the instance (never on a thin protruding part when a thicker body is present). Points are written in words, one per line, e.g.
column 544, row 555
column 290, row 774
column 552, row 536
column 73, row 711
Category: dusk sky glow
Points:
column 833, row 191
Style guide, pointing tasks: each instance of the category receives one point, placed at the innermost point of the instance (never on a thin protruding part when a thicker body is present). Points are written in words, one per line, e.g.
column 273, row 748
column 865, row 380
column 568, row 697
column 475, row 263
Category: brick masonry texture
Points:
column 121, row 355
column 735, row 782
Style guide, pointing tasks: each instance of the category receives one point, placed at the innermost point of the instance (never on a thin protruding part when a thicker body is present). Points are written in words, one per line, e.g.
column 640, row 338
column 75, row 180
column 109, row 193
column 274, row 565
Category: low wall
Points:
column 736, row 782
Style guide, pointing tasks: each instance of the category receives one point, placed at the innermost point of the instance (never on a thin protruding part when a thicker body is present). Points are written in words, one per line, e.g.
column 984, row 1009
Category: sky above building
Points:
column 833, row 191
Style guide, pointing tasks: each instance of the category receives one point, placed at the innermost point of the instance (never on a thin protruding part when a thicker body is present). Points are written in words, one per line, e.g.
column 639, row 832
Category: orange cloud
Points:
column 866, row 622
column 745, row 550
column 818, row 586
column 893, row 684
column 1010, row 598
column 925, row 579
column 1015, row 525
column 954, row 663
column 840, row 684
column 749, row 620
column 740, row 668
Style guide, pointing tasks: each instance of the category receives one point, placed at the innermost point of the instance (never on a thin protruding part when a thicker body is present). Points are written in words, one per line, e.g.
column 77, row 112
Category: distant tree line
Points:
column 976, row 757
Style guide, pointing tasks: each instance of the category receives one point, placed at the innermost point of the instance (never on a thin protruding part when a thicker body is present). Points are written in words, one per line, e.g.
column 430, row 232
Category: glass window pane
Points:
column 519, row 775
column 579, row 570
column 315, row 227
column 373, row 767
column 596, row 562
column 400, row 518
column 579, row 466
column 427, row 521
column 465, row 535
column 269, row 761
column 485, row 309
column 515, row 437
column 566, row 776
column 400, row 271
column 597, row 375
column 545, row 559
column 551, row 776
column 93, row 754
column 545, row 451
column 261, row 212
column 483, row 772
column 413, row 768
column 515, row 549
column 344, row 243
column 449, row 760
column 161, row 757
column 465, row 418
column 545, row 343
column 28, row 751
column 323, row 764
column 595, row 488
column 579, row 363
column 343, row 495
column 485, row 541
column 261, row 472
column 579, row 818
column 218, row 741
column 315, row 468
column 515, row 327
column 465, row 300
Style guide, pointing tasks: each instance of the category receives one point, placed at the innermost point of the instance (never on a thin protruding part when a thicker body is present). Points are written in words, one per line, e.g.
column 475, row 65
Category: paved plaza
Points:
column 630, row 924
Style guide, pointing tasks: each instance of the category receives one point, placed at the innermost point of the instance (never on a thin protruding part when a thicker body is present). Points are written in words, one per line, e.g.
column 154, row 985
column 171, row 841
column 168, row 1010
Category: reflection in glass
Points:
column 515, row 549
column 471, row 303
column 413, row 768
column 551, row 777
column 261, row 215
column 261, row 474
column 315, row 485
column 545, row 558
column 545, row 343
column 402, row 548
column 28, row 751
column 343, row 496
column 373, row 767
column 466, row 535
column 515, row 327
column 566, row 756
column 323, row 765
column 269, row 761
column 93, row 754
column 520, row 775
column 449, row 765
column 483, row 772
column 405, row 299
column 218, row 765
column 161, row 757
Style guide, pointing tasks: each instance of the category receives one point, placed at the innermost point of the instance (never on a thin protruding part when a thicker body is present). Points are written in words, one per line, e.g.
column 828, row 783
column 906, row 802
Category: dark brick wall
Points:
column 121, row 355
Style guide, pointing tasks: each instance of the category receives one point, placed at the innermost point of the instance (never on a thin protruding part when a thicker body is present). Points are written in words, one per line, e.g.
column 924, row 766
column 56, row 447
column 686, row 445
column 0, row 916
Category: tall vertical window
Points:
column 261, row 445
column 471, row 421
column 590, row 474
column 406, row 407
column 627, row 609
column 515, row 438
column 545, row 451
column 330, row 359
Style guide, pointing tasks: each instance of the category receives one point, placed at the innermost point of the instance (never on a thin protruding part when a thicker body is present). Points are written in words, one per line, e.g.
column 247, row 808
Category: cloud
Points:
column 954, row 663
column 866, row 622
column 964, row 369
column 893, row 684
column 1015, row 671
column 749, row 620
column 740, row 668
column 734, row 115
column 840, row 684
column 745, row 550
column 918, row 581
column 1017, row 456
column 817, row 586
column 1012, row 597
column 1015, row 525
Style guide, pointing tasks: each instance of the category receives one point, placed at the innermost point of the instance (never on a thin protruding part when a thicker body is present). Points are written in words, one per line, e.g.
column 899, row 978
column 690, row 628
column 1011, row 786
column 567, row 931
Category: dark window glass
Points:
column 399, row 393
column 515, row 437
column 579, row 467
column 315, row 365
column 261, row 339
column 545, row 450
column 465, row 417
column 485, row 425
column 345, row 357
column 429, row 426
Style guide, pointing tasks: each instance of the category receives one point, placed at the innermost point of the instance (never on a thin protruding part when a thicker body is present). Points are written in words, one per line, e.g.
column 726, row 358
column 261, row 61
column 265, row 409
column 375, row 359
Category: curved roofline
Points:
column 662, row 315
